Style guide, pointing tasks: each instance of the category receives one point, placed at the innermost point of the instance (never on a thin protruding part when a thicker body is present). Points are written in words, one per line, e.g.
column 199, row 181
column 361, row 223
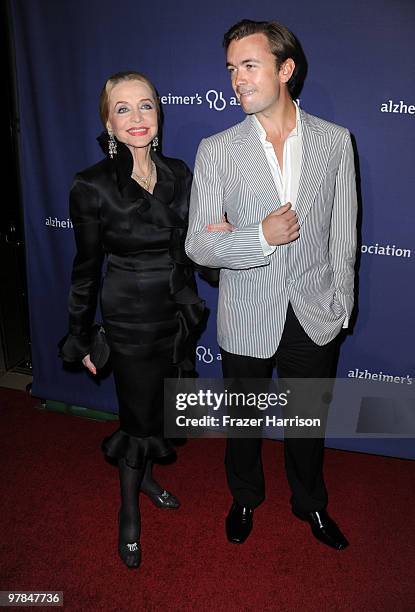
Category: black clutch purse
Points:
column 99, row 351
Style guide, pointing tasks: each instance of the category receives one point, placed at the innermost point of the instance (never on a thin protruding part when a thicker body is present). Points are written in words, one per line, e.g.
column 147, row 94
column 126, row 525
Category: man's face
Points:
column 254, row 75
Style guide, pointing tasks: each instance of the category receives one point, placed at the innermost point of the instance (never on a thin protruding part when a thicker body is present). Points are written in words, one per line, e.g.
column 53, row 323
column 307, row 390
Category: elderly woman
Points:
column 131, row 208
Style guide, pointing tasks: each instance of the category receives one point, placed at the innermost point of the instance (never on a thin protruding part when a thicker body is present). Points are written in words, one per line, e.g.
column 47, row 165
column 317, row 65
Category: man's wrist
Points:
column 267, row 249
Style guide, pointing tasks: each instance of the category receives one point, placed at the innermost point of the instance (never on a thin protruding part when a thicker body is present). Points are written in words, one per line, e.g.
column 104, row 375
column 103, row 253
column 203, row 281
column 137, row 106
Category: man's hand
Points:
column 225, row 226
column 281, row 226
column 89, row 365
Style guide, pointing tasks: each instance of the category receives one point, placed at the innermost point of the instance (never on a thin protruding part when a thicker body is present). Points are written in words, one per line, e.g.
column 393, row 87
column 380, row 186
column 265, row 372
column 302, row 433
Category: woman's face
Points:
column 132, row 113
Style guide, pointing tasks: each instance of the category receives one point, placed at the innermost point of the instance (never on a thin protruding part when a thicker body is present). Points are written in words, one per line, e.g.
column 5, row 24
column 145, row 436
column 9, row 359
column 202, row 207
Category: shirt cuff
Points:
column 267, row 249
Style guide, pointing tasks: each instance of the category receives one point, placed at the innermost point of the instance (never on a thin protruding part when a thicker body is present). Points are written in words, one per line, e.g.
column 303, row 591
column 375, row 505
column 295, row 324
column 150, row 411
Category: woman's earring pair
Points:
column 112, row 144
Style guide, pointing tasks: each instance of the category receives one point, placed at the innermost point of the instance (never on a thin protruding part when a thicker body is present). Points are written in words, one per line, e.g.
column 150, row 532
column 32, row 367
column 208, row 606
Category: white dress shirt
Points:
column 287, row 180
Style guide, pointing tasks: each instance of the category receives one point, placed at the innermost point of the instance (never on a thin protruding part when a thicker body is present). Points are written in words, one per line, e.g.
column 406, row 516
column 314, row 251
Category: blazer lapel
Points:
column 249, row 156
column 315, row 157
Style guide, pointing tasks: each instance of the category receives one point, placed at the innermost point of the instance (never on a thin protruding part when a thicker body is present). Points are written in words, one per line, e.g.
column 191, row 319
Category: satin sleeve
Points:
column 86, row 271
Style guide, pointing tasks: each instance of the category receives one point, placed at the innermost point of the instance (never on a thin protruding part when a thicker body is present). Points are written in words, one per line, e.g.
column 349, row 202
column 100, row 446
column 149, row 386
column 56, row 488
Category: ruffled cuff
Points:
column 74, row 348
column 134, row 450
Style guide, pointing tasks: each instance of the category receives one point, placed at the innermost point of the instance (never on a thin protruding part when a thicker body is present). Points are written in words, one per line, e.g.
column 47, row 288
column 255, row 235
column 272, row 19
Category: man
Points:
column 274, row 206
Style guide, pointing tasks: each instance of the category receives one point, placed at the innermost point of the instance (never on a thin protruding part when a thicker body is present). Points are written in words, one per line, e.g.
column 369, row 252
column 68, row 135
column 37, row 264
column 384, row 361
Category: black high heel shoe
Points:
column 163, row 499
column 130, row 552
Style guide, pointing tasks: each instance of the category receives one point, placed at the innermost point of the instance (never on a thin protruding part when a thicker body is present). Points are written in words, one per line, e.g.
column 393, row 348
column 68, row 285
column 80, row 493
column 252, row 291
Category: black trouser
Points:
column 297, row 357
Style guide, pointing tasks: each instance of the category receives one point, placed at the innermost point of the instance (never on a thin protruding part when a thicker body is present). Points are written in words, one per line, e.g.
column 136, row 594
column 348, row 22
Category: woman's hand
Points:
column 88, row 364
column 225, row 226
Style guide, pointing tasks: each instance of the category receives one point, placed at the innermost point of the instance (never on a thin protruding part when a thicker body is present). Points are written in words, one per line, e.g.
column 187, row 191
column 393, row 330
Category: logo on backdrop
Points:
column 385, row 249
column 380, row 376
column 214, row 98
column 59, row 223
column 401, row 107
column 206, row 354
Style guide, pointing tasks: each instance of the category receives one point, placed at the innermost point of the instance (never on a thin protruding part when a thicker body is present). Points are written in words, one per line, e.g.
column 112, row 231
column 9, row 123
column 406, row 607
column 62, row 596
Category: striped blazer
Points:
column 315, row 273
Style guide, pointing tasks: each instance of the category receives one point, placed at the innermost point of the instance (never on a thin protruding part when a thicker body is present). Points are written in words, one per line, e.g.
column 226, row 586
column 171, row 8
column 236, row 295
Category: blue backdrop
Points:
column 361, row 75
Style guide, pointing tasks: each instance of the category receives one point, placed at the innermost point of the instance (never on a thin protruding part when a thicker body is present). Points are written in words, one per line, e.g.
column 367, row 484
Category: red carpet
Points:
column 58, row 528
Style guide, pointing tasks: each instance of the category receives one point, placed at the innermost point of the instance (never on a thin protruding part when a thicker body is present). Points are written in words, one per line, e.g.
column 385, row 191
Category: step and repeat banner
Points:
column 361, row 75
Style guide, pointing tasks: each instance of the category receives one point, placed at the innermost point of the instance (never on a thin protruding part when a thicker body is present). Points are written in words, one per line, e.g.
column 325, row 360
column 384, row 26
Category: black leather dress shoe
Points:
column 163, row 500
column 239, row 523
column 324, row 528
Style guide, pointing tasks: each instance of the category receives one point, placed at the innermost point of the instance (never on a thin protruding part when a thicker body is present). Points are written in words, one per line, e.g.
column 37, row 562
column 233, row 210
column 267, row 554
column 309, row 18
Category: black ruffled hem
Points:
column 134, row 450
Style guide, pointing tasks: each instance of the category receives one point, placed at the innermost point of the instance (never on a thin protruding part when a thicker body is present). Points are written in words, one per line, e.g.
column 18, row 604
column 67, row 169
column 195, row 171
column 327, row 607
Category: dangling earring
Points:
column 112, row 145
column 155, row 143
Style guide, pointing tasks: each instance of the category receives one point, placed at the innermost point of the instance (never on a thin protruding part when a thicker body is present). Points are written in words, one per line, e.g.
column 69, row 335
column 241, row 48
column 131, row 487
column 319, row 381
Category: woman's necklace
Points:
column 145, row 181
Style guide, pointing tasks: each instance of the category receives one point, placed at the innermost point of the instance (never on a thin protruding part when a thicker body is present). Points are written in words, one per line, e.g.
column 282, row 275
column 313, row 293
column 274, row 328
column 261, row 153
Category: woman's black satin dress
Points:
column 148, row 293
